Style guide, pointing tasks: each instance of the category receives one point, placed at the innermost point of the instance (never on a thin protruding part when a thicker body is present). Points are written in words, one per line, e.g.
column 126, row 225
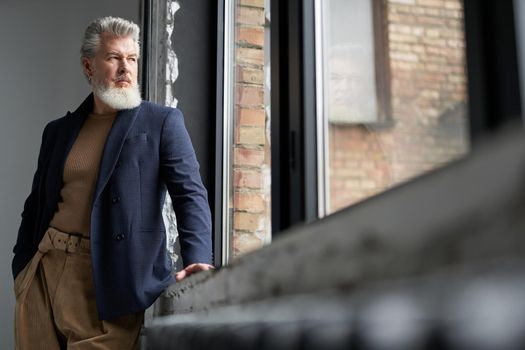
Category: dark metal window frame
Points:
column 293, row 129
column 146, row 15
column 218, row 214
column 382, row 60
column 492, row 66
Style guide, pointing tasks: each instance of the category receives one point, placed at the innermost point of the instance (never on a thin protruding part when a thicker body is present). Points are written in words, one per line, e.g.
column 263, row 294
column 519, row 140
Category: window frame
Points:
column 493, row 90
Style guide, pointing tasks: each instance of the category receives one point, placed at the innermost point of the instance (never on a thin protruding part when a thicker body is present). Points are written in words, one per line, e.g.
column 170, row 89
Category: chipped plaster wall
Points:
column 172, row 63
column 172, row 72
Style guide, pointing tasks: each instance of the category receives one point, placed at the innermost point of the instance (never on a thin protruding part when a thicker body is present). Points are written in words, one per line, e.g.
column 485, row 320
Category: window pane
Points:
column 394, row 93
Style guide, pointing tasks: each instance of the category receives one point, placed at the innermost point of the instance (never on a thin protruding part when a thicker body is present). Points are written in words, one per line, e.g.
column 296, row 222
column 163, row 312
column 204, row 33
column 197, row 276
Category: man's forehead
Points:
column 111, row 42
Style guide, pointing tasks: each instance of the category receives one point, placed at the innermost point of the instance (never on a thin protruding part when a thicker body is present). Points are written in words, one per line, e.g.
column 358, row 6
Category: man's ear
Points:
column 87, row 67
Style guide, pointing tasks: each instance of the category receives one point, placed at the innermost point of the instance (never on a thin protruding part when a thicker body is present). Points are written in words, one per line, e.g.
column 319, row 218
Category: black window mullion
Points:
column 294, row 152
column 218, row 216
column 309, row 113
column 146, row 42
column 294, row 135
column 492, row 67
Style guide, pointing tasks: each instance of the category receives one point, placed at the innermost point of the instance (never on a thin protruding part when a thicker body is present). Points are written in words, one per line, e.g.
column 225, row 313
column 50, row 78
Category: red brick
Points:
column 251, row 117
column 246, row 179
column 245, row 242
column 250, row 36
column 431, row 3
column 250, row 55
column 250, row 136
column 248, row 157
column 250, row 75
column 250, row 15
column 252, row 3
column 248, row 201
column 246, row 221
column 250, row 95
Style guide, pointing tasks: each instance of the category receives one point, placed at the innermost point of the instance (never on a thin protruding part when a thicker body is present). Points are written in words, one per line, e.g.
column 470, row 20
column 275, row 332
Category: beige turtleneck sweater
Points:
column 80, row 175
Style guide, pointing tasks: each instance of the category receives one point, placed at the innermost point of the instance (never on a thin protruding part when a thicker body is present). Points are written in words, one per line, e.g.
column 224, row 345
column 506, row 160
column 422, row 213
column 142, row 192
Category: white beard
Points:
column 118, row 98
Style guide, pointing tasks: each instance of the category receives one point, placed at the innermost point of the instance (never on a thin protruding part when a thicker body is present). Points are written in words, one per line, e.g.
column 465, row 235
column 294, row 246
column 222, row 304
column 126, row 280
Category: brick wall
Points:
column 251, row 154
column 427, row 126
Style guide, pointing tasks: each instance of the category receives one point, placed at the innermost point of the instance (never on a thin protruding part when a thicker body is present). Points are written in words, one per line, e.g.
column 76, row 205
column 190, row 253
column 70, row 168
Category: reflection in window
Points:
column 394, row 93
column 351, row 65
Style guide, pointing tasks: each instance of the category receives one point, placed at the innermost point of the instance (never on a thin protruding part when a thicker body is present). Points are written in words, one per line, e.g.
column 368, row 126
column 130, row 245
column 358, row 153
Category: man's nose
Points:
column 123, row 67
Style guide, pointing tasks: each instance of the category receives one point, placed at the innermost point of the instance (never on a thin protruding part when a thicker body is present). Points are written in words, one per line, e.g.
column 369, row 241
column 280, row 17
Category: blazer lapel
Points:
column 65, row 139
column 120, row 129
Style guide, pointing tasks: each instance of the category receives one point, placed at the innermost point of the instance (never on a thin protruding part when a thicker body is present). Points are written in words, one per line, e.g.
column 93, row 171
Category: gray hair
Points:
column 111, row 25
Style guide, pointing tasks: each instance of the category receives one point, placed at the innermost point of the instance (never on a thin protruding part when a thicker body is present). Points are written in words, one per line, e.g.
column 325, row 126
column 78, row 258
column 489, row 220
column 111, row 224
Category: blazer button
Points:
column 119, row 237
column 115, row 199
column 119, row 163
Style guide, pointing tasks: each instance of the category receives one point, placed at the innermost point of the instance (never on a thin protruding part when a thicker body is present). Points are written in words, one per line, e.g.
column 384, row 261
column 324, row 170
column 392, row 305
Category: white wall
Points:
column 40, row 79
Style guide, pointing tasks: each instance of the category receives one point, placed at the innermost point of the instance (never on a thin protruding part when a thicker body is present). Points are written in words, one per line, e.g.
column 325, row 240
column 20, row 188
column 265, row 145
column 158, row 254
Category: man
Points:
column 90, row 255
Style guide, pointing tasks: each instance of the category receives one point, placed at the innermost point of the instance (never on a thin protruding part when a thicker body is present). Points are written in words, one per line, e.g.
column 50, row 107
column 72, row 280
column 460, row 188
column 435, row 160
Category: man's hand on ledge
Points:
column 191, row 269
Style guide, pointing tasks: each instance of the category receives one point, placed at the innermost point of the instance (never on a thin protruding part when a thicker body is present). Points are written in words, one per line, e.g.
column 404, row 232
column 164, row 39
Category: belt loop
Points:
column 67, row 250
column 73, row 242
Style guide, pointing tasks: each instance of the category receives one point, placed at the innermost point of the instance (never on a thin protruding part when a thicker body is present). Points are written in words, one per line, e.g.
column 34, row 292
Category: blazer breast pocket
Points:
column 133, row 150
column 142, row 137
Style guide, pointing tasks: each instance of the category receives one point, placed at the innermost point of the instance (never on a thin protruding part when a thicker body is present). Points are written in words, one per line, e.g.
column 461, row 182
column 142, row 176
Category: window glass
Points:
column 393, row 93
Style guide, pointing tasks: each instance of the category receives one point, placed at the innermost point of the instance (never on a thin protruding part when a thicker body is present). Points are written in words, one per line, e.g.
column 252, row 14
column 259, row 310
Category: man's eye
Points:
column 133, row 59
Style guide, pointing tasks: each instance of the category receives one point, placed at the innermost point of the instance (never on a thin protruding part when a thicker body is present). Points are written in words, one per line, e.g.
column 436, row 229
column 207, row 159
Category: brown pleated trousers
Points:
column 55, row 301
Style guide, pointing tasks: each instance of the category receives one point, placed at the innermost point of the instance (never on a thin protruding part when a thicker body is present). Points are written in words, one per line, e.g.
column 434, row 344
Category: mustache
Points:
column 123, row 77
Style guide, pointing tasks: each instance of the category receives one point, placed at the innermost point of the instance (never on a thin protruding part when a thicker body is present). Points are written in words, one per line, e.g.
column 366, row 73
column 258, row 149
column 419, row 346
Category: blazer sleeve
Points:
column 24, row 247
column 180, row 171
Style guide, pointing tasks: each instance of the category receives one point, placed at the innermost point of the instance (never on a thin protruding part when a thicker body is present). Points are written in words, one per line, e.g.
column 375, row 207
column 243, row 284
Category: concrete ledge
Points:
column 470, row 212
column 477, row 307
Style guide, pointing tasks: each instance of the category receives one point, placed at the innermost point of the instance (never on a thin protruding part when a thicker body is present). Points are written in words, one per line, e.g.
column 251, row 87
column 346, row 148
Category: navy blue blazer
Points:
column 147, row 152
